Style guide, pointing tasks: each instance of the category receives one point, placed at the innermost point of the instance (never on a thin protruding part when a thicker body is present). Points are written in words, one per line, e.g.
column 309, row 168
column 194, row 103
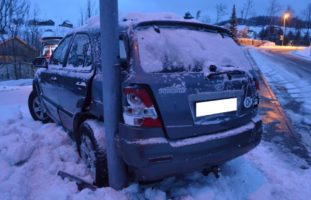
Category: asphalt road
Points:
column 278, row 128
column 294, row 64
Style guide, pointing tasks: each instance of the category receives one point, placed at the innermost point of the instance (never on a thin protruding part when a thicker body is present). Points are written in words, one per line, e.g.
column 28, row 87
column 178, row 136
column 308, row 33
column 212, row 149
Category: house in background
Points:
column 17, row 55
column 51, row 34
column 16, row 50
column 16, row 58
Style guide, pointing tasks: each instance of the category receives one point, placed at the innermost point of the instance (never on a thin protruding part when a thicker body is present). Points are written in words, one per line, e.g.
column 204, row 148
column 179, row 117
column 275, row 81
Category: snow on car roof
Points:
column 135, row 18
column 132, row 19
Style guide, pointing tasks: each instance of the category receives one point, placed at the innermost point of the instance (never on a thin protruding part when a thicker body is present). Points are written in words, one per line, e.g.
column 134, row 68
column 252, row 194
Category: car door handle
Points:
column 54, row 78
column 81, row 84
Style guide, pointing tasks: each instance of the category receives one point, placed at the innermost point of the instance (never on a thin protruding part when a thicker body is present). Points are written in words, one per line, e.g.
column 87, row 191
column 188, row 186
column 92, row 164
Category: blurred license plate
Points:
column 216, row 107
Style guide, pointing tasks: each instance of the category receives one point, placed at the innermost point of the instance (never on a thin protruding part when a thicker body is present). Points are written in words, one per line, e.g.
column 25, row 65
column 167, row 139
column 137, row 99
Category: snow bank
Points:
column 268, row 44
column 276, row 47
column 304, row 53
column 14, row 84
column 31, row 154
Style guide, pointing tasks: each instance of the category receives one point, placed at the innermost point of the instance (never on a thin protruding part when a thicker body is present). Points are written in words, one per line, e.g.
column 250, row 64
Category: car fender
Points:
column 78, row 118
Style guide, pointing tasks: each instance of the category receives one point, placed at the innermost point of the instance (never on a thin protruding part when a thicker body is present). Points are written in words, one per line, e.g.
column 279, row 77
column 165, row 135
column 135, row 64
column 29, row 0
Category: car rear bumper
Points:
column 154, row 158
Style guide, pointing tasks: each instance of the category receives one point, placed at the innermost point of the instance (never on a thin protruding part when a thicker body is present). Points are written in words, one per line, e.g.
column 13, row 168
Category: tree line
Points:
column 271, row 22
column 14, row 21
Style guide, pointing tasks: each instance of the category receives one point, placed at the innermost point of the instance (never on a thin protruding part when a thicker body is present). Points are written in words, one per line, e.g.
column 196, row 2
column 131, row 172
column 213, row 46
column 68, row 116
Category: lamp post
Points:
column 285, row 17
column 111, row 89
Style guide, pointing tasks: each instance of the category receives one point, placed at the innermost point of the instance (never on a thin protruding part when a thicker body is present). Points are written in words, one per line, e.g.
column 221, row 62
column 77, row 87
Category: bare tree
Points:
column 221, row 10
column 12, row 15
column 91, row 9
column 32, row 33
column 290, row 10
column 274, row 9
column 206, row 19
column 198, row 15
column 307, row 16
column 247, row 9
column 12, row 18
column 81, row 21
column 234, row 23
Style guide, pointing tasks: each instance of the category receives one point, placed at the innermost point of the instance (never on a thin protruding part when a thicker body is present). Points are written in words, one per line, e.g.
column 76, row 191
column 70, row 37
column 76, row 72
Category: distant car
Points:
column 49, row 44
column 189, row 100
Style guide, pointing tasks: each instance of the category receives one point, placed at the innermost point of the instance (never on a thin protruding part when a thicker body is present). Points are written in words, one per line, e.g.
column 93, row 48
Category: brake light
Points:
column 139, row 109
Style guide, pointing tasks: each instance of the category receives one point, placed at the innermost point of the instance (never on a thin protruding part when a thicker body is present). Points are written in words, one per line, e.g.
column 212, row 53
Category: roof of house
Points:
column 4, row 42
column 16, row 49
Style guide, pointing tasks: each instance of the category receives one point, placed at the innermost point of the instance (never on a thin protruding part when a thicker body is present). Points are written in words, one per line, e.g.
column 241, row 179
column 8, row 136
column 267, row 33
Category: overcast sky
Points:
column 60, row 10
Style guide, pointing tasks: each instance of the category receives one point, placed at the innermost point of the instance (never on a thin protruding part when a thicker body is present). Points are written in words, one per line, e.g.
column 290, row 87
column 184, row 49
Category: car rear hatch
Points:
column 178, row 101
column 185, row 95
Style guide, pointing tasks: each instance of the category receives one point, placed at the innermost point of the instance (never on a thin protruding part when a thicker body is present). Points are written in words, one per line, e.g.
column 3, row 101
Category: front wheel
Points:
column 91, row 147
column 36, row 109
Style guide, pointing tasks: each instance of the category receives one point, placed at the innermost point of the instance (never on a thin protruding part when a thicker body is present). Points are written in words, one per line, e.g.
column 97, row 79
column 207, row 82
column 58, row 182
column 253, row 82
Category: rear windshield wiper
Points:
column 229, row 73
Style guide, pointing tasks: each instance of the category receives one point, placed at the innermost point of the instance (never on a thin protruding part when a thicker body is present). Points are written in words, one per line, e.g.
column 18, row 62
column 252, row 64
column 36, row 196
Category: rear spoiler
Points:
column 208, row 27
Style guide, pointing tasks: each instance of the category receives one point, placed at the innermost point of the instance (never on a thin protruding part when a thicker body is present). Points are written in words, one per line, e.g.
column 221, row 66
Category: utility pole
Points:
column 111, row 89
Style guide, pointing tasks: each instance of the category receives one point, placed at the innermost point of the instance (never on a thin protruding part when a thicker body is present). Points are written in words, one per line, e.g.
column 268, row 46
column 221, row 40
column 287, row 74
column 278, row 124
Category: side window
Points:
column 123, row 57
column 80, row 55
column 122, row 52
column 59, row 54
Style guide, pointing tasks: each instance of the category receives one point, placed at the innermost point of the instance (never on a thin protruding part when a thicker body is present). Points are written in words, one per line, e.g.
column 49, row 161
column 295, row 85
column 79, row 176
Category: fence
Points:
column 20, row 70
column 253, row 42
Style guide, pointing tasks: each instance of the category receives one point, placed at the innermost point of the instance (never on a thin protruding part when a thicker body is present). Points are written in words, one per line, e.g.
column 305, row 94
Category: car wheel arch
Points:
column 78, row 119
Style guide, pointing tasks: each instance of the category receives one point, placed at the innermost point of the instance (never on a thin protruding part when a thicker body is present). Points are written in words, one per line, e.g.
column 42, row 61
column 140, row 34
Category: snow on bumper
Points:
column 156, row 157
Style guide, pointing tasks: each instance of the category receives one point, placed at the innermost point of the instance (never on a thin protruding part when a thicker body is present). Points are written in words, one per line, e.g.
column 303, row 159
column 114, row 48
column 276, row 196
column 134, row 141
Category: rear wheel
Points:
column 91, row 147
column 36, row 109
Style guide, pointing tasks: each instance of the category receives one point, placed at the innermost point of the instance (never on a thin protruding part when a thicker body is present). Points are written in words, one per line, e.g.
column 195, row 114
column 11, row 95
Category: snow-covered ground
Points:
column 31, row 154
column 275, row 47
column 304, row 53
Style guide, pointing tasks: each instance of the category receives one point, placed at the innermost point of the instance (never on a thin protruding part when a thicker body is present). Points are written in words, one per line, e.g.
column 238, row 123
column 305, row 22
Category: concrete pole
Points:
column 111, row 89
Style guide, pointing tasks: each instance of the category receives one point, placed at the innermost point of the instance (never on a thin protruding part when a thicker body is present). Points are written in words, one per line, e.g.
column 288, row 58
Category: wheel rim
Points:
column 40, row 114
column 88, row 155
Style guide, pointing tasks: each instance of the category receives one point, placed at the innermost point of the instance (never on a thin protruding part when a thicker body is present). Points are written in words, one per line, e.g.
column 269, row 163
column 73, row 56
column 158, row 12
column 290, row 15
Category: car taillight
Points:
column 139, row 109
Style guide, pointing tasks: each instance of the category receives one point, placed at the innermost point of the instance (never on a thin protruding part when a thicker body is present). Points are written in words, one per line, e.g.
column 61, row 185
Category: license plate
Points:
column 216, row 107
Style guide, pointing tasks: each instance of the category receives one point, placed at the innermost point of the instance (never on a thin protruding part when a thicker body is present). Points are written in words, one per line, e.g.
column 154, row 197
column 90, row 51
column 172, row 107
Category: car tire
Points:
column 91, row 148
column 35, row 108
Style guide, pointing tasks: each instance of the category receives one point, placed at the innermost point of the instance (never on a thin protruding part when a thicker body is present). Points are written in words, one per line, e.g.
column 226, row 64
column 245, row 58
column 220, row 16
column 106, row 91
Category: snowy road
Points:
column 291, row 63
column 290, row 79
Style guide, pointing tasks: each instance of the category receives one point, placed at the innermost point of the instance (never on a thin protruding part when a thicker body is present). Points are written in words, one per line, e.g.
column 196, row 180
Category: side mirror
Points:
column 40, row 62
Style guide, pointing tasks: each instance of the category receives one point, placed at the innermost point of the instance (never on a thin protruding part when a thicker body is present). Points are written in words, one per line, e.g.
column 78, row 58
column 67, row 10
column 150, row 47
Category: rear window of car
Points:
column 185, row 49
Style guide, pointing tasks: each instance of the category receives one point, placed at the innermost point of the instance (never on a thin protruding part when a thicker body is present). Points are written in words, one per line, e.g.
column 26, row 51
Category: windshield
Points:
column 182, row 49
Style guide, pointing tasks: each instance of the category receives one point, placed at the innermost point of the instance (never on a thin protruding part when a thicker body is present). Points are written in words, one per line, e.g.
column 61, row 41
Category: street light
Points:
column 285, row 17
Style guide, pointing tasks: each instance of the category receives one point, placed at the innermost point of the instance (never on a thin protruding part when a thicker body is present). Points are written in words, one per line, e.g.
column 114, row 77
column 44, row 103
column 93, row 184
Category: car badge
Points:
column 248, row 102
